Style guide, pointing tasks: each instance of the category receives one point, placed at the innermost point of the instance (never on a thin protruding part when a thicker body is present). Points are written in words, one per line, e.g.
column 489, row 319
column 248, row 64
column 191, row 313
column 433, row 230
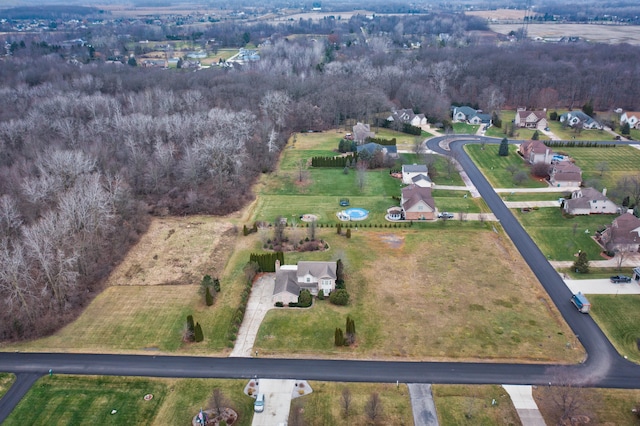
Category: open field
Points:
column 494, row 166
column 497, row 14
column 619, row 318
column 6, row 380
column 138, row 314
column 498, row 312
column 621, row 161
column 323, row 406
column 613, row 34
column 471, row 405
column 555, row 234
column 176, row 251
column 74, row 400
column 604, row 406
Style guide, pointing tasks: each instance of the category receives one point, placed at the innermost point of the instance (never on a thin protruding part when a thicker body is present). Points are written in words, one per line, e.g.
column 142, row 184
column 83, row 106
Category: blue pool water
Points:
column 356, row 213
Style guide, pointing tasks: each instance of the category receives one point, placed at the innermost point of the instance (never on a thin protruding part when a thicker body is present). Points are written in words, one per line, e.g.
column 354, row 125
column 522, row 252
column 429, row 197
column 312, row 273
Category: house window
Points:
column 308, row 279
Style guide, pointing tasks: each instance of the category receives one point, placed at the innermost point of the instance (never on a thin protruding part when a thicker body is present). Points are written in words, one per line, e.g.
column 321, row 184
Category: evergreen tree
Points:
column 503, row 151
column 338, row 337
column 199, row 337
column 536, row 136
column 348, row 234
column 190, row 324
column 339, row 229
column 245, row 231
column 208, row 298
column 216, row 285
column 350, row 335
column 581, row 265
column 625, row 129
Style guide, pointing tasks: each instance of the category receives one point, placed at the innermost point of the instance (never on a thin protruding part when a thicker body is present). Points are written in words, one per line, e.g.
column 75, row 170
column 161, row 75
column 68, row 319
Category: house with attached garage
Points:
column 407, row 116
column 565, row 173
column 623, row 234
column 306, row 275
column 633, row 118
column 575, row 118
column 417, row 203
column 535, row 152
column 416, row 174
column 589, row 201
column 465, row 114
column 531, row 119
column 371, row 148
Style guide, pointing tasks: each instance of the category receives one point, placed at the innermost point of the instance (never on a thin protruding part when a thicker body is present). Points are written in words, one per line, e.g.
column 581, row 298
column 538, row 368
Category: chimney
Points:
column 277, row 265
column 604, row 191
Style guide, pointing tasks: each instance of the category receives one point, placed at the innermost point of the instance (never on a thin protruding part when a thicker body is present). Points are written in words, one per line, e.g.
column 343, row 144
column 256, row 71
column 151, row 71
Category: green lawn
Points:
column 80, row 400
column 494, row 166
column 532, row 196
column 472, row 405
column 555, row 236
column 464, row 128
column 621, row 161
column 595, row 273
column 65, row 400
column 6, row 380
column 619, row 318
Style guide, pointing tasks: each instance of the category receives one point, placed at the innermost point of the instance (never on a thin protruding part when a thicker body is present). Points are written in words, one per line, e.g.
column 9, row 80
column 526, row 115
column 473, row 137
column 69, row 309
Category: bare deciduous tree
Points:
column 345, row 400
column 373, row 408
column 217, row 401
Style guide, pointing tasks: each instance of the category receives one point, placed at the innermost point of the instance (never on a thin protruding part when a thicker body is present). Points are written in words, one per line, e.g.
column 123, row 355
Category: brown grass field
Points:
column 612, row 34
column 177, row 251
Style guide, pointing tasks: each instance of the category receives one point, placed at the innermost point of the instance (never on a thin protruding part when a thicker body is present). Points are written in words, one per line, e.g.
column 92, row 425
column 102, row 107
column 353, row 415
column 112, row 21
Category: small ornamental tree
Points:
column 198, row 336
column 338, row 337
column 348, row 233
column 339, row 229
column 503, row 151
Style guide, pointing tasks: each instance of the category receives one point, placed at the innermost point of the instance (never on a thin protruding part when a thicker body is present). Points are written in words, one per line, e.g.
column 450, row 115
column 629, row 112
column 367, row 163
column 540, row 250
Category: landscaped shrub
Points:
column 320, row 295
column 293, row 305
column 208, row 298
column 339, row 297
column 305, row 299
column 199, row 337
column 279, row 304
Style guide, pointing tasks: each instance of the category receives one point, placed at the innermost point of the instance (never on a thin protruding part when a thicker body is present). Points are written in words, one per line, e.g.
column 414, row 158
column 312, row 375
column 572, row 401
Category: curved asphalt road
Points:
column 603, row 367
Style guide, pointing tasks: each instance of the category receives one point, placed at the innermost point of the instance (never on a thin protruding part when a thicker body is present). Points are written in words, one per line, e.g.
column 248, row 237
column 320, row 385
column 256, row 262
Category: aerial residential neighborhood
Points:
column 319, row 214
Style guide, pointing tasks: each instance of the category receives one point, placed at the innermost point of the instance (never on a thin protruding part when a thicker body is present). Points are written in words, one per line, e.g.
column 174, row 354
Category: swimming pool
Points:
column 356, row 213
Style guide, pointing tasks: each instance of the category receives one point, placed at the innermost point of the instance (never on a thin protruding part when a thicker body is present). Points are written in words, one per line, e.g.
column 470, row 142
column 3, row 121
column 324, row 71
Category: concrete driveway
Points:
column 277, row 402
column 602, row 286
column 260, row 301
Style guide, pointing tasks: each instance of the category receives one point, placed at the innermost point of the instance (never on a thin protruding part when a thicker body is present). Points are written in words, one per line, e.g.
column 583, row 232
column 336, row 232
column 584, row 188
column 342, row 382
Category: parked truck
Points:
column 581, row 302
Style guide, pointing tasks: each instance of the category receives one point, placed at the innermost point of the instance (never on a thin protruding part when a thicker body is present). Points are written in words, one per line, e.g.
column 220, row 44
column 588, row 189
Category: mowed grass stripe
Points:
column 619, row 318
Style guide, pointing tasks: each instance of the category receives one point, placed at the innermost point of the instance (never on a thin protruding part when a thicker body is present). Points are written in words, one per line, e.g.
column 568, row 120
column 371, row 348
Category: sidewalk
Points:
column 523, row 204
column 525, row 405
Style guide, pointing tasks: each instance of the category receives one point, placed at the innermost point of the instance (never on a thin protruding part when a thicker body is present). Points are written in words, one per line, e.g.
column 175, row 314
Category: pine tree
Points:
column 199, row 337
column 245, row 231
column 581, row 265
column 338, row 337
column 350, row 336
column 503, row 151
column 208, row 298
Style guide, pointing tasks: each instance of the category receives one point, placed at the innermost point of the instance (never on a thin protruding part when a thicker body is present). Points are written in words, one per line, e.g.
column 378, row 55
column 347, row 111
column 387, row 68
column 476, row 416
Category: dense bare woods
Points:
column 88, row 150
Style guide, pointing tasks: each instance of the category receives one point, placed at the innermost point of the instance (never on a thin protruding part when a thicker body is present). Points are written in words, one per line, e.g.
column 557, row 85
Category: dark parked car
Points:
column 620, row 279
